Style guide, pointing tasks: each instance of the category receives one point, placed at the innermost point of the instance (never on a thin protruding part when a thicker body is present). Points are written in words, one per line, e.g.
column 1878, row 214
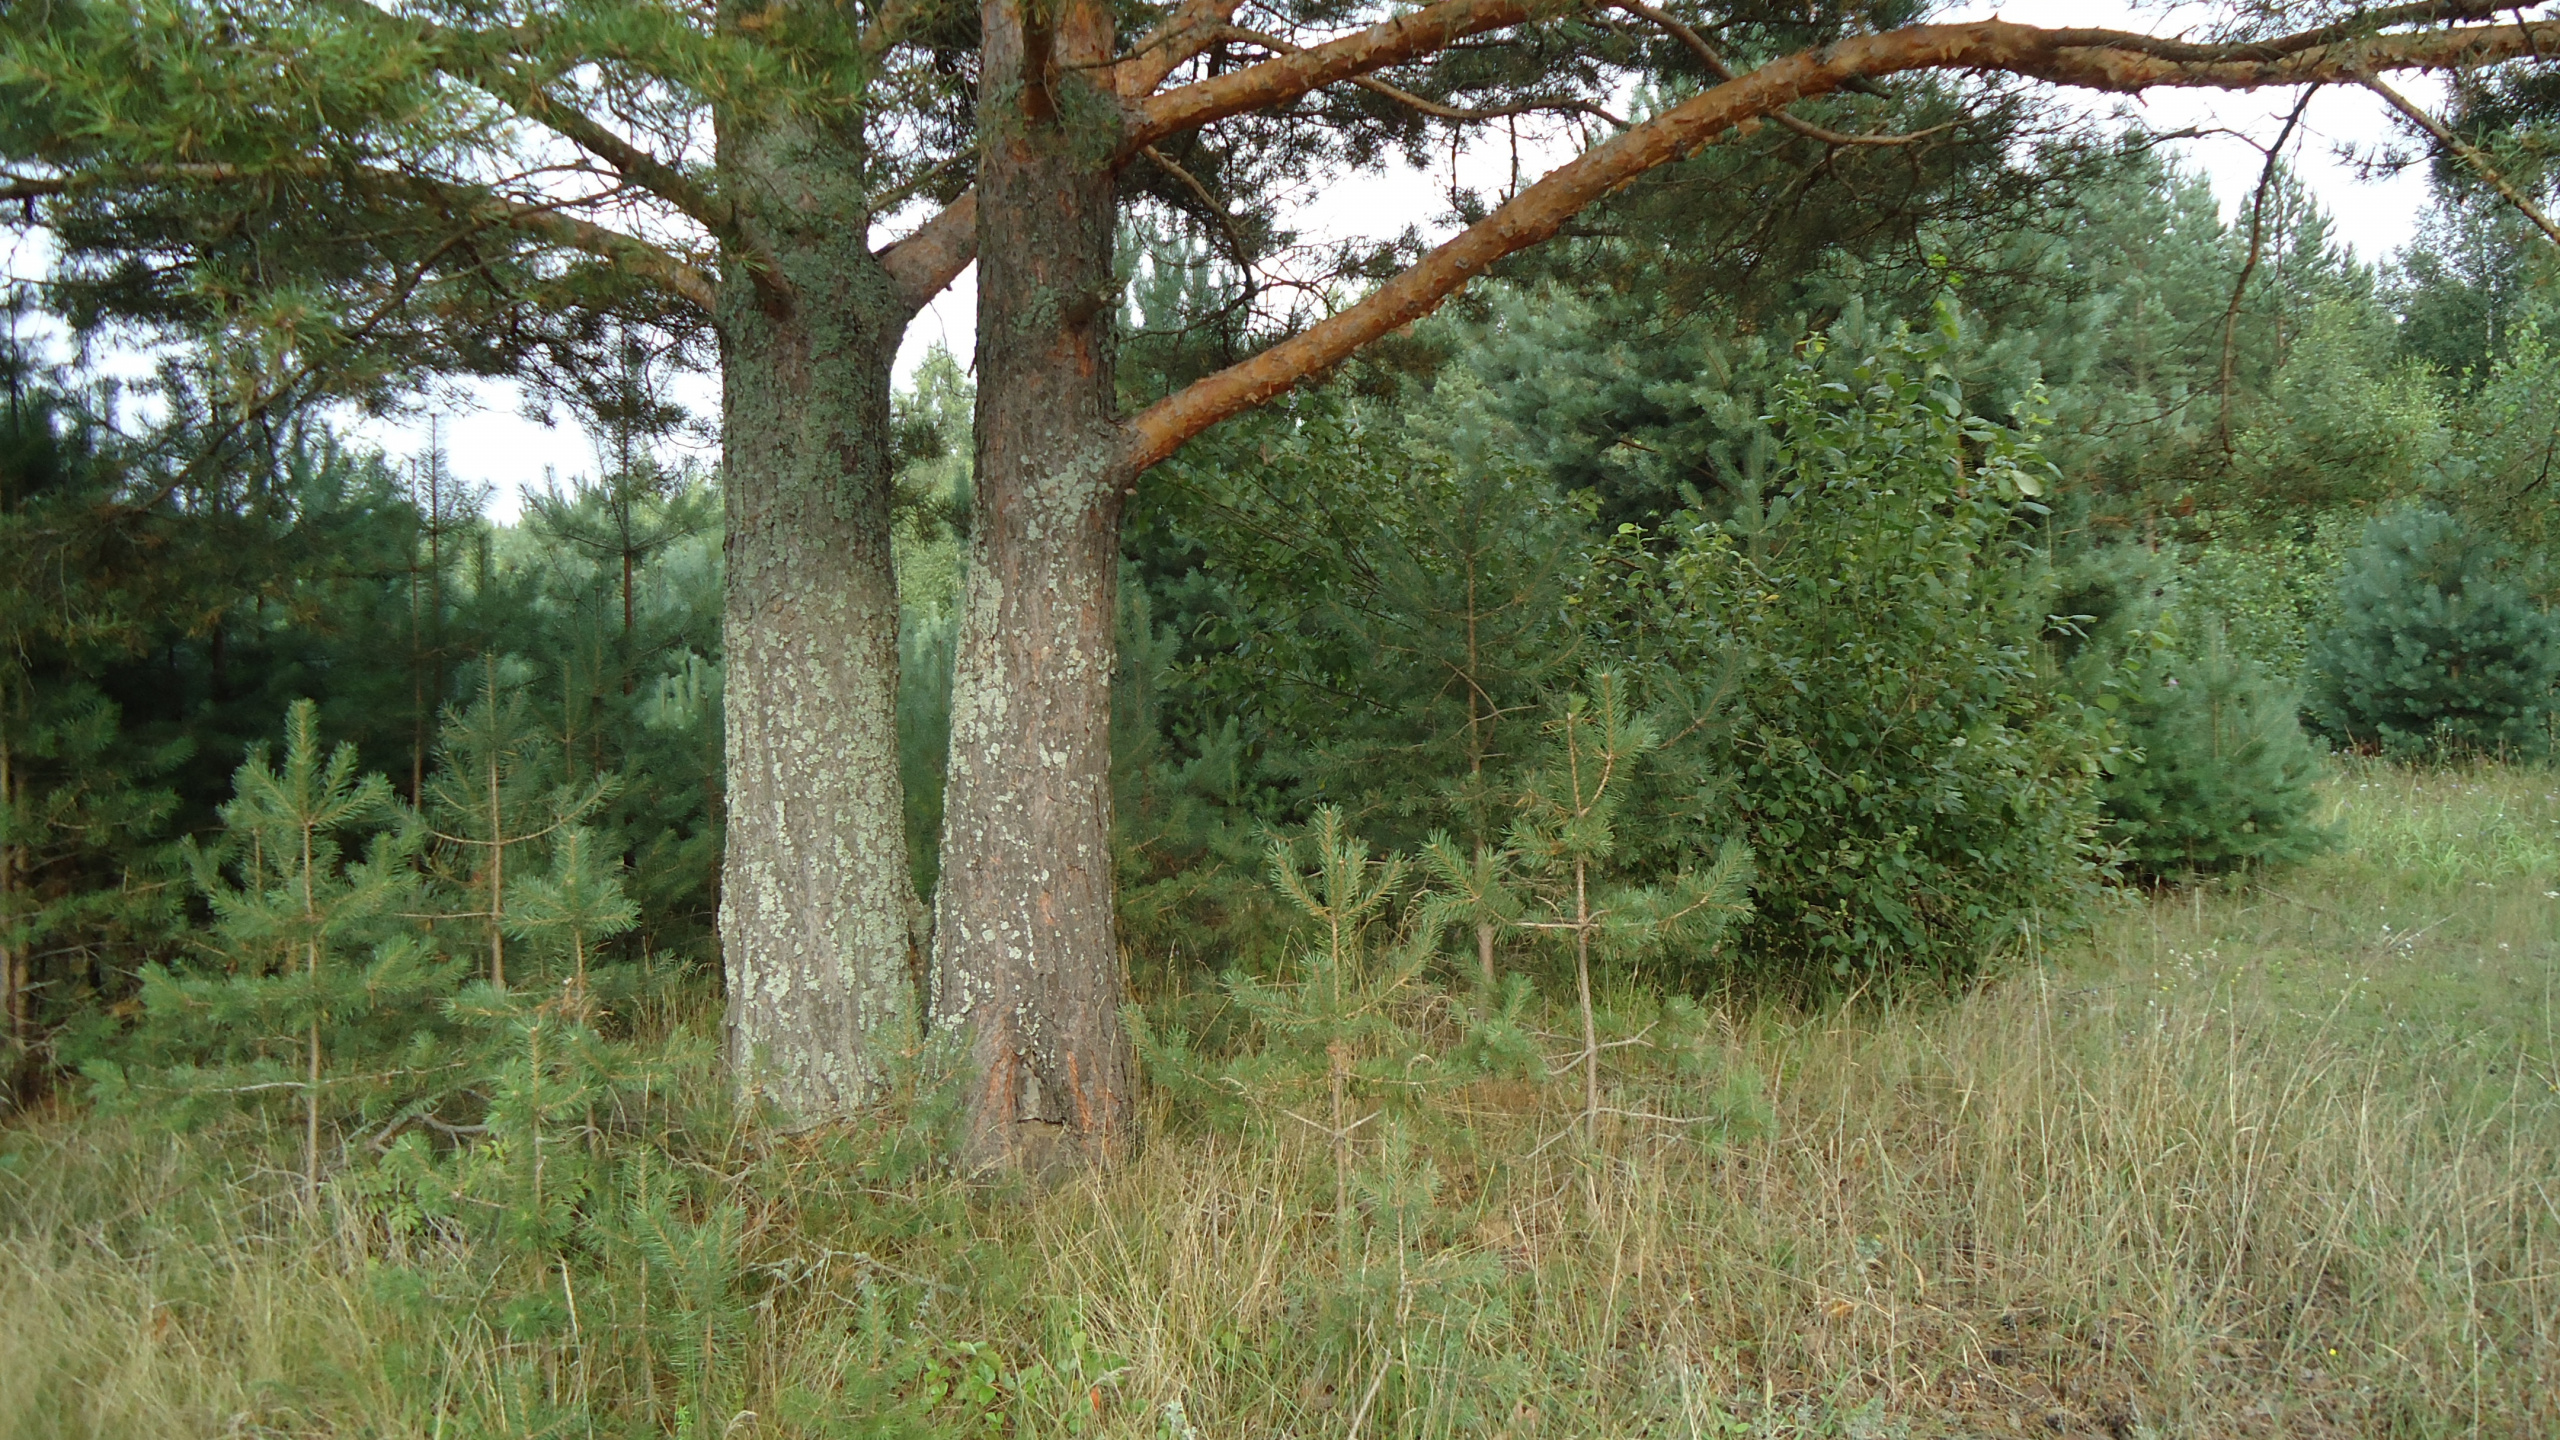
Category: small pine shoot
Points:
column 1565, row 843
column 317, row 952
column 491, row 796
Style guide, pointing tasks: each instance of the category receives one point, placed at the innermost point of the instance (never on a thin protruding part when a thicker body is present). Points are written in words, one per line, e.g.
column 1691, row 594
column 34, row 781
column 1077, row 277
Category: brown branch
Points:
column 2257, row 247
column 889, row 26
column 1371, row 83
column 2094, row 59
column 1278, row 81
column 37, row 187
column 926, row 262
column 2466, row 151
column 1191, row 29
column 934, row 254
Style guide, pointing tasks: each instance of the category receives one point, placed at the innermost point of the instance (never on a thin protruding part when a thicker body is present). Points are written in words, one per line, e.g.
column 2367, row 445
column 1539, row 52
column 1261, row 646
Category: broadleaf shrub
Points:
column 1914, row 780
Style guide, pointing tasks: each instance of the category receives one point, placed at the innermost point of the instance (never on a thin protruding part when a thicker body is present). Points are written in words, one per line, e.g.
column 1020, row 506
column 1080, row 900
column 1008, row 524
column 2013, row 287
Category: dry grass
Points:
column 2272, row 1159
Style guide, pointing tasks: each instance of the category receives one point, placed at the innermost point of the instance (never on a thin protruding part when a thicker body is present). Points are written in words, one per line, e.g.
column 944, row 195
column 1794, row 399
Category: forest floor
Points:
column 2274, row 1157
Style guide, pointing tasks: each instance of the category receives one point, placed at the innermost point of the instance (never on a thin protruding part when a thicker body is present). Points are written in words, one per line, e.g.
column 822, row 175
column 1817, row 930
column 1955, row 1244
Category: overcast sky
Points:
column 494, row 443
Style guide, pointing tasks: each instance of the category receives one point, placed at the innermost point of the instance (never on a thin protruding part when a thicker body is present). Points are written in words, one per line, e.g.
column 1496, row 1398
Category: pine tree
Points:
column 1459, row 630
column 1565, row 846
column 1339, row 1002
column 490, row 796
column 2220, row 775
column 564, row 913
column 2435, row 647
column 290, row 911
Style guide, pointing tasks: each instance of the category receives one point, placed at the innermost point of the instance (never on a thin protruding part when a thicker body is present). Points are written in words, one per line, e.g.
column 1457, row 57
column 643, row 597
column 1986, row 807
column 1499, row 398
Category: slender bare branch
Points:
column 2257, row 248
column 628, row 254
column 1714, row 61
column 1189, row 182
column 1371, row 83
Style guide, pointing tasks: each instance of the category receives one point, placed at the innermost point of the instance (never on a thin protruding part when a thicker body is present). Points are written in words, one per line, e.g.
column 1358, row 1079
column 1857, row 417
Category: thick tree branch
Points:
column 926, row 261
column 2469, row 153
column 2094, row 59
column 890, row 25
column 1278, row 81
column 1192, row 28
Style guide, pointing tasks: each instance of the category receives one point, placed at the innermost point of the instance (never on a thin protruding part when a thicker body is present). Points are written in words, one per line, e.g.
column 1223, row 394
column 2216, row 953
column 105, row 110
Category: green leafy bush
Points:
column 1914, row 779
column 2434, row 649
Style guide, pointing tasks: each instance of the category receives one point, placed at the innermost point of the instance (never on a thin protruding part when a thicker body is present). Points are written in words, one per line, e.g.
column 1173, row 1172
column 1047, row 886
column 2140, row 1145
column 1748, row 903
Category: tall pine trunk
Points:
column 819, row 922
column 1026, row 965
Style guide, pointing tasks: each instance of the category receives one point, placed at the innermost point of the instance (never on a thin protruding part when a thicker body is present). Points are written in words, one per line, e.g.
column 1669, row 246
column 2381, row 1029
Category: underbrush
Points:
column 2277, row 1157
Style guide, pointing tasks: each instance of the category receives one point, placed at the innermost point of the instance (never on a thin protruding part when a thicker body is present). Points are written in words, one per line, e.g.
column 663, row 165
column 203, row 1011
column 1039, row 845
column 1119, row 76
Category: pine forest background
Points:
column 1933, row 565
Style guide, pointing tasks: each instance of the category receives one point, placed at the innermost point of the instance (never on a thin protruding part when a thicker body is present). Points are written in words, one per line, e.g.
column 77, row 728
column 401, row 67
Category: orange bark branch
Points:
column 1278, row 81
column 1193, row 27
column 2094, row 59
column 933, row 256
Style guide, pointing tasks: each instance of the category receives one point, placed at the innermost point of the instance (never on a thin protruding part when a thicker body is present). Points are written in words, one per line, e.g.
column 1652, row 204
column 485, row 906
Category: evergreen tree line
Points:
column 1900, row 609
column 503, row 695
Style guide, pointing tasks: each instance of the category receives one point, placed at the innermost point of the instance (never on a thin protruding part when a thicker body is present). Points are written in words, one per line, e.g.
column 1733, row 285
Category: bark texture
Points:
column 1026, row 967
column 820, row 928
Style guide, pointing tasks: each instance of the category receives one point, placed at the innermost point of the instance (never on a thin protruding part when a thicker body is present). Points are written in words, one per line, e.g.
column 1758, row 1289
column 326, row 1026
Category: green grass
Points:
column 2276, row 1157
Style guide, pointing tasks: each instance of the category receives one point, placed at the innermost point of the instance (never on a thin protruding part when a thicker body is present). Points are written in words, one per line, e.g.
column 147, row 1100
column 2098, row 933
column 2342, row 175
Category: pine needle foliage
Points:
column 493, row 795
column 2219, row 776
column 319, row 954
column 1565, row 852
column 1342, row 1028
column 2436, row 649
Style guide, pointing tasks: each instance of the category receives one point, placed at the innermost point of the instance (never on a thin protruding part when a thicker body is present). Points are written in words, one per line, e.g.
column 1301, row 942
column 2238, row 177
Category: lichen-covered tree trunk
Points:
column 1026, row 966
column 820, row 928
